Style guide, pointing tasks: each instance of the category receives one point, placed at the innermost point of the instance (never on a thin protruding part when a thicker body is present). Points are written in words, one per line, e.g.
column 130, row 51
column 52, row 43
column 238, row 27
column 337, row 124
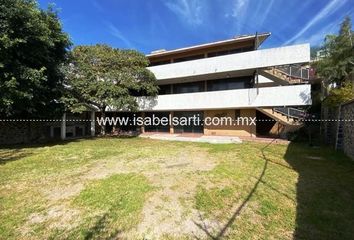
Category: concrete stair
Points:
column 283, row 119
column 280, row 77
column 288, row 124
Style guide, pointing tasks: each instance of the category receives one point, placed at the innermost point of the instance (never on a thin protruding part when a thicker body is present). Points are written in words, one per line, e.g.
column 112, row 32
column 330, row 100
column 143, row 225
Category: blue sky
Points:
column 147, row 25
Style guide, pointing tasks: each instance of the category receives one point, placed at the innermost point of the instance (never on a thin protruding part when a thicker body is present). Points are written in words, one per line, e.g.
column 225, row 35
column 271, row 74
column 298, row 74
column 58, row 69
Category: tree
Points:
column 337, row 64
column 336, row 67
column 101, row 76
column 341, row 95
column 313, row 52
column 32, row 48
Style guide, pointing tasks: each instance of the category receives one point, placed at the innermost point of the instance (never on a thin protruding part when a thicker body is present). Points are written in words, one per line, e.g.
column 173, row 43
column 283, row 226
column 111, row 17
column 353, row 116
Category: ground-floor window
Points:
column 192, row 127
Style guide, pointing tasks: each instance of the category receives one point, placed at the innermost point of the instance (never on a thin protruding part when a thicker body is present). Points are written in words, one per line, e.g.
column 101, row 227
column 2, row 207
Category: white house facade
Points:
column 232, row 78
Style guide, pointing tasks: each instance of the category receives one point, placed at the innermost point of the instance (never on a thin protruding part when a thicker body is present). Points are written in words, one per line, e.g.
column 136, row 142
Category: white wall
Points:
column 294, row 95
column 234, row 62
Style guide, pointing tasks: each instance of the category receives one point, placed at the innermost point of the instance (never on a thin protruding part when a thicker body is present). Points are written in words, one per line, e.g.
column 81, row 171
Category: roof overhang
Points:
column 261, row 37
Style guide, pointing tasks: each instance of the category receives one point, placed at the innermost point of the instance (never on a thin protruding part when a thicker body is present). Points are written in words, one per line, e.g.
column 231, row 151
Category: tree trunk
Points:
column 103, row 116
column 114, row 129
column 29, row 132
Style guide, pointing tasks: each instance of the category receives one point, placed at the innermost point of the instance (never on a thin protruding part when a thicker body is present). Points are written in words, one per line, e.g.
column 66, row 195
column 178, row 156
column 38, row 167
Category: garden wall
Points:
column 347, row 113
column 22, row 132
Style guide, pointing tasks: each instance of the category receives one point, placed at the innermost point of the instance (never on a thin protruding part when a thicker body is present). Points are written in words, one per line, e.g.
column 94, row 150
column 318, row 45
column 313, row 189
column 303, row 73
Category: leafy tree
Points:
column 337, row 65
column 32, row 48
column 313, row 52
column 101, row 76
column 341, row 95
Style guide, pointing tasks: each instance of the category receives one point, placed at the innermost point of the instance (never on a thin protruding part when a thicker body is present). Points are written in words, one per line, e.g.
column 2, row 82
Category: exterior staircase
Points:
column 286, row 75
column 280, row 116
column 288, row 118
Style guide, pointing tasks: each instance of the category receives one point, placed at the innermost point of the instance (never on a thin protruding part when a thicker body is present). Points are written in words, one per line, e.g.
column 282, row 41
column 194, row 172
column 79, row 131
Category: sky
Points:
column 148, row 25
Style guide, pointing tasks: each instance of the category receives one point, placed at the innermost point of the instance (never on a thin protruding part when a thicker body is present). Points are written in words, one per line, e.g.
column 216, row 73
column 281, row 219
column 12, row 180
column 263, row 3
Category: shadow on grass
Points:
column 99, row 227
column 10, row 153
column 222, row 231
column 324, row 192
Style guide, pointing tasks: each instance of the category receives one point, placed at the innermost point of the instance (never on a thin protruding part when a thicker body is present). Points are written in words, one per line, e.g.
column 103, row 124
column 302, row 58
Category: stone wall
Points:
column 329, row 124
column 22, row 132
column 347, row 113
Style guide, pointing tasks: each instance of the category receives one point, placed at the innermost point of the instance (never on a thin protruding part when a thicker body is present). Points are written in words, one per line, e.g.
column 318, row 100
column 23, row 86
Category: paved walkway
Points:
column 199, row 137
column 192, row 138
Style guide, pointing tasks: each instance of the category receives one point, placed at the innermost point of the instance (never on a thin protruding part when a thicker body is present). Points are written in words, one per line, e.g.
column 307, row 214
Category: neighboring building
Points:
column 231, row 78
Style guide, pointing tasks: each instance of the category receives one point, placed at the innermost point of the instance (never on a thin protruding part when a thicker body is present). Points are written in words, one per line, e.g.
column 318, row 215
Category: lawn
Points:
column 137, row 188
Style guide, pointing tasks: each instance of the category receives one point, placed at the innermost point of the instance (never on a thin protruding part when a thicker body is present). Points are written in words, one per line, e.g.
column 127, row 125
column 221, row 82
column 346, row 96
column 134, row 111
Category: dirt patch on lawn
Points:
column 58, row 217
column 169, row 211
column 96, row 171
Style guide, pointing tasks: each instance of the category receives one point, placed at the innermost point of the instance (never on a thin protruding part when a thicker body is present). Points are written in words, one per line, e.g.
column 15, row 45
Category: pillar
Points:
column 63, row 127
column 93, row 124
column 142, row 129
column 52, row 131
column 172, row 130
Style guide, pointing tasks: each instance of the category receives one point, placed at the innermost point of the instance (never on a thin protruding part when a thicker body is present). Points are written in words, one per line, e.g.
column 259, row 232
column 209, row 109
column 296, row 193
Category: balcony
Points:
column 234, row 62
column 294, row 95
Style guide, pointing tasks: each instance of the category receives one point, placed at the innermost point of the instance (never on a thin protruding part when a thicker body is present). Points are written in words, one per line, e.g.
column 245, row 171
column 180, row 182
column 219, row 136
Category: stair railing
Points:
column 294, row 71
column 291, row 112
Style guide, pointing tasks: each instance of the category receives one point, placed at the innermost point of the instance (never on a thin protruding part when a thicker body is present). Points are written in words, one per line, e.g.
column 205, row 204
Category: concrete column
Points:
column 63, row 127
column 172, row 130
column 143, row 127
column 51, row 131
column 93, row 124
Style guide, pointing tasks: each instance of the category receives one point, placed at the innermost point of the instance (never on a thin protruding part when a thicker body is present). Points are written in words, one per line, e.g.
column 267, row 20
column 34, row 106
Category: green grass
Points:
column 96, row 189
column 283, row 192
column 112, row 205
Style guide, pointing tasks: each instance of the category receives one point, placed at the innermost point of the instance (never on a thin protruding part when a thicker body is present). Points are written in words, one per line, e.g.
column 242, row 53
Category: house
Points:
column 231, row 78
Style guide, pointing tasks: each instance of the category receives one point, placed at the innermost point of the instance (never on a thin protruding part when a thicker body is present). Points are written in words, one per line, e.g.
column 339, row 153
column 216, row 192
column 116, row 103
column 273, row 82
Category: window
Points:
column 188, row 87
column 165, row 89
column 231, row 51
column 160, row 63
column 220, row 115
column 189, row 58
column 229, row 83
column 237, row 113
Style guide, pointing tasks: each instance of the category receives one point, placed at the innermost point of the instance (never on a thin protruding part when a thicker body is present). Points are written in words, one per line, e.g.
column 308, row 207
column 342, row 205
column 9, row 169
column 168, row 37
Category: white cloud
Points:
column 97, row 5
column 330, row 8
column 264, row 14
column 318, row 37
column 118, row 34
column 238, row 11
column 240, row 7
column 188, row 10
